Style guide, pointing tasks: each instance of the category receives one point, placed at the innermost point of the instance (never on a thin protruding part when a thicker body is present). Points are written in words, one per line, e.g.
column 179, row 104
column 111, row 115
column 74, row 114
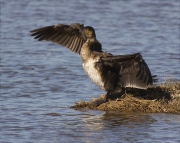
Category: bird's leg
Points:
column 107, row 96
column 99, row 101
column 124, row 95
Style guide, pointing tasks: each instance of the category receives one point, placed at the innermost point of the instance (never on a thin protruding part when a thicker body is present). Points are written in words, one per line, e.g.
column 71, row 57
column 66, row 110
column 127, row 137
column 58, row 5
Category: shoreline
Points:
column 162, row 98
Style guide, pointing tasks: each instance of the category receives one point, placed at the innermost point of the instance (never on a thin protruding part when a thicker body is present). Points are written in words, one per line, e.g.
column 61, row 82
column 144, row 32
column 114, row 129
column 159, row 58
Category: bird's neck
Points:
column 86, row 49
column 92, row 39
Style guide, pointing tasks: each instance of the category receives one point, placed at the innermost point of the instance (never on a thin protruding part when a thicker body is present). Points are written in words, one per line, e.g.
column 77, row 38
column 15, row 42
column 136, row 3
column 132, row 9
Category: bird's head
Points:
column 89, row 32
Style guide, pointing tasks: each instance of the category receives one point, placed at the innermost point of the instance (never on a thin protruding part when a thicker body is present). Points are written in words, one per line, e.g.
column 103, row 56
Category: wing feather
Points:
column 78, row 50
column 74, row 43
column 70, row 36
column 66, row 40
column 133, row 70
column 46, row 36
column 62, row 38
column 70, row 41
column 58, row 38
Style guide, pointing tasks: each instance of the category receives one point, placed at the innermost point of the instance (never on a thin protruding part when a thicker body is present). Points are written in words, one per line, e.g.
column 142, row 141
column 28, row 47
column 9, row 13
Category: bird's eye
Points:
column 89, row 30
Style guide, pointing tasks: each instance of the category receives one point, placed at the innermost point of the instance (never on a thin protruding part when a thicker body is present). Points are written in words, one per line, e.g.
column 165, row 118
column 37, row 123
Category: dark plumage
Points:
column 110, row 73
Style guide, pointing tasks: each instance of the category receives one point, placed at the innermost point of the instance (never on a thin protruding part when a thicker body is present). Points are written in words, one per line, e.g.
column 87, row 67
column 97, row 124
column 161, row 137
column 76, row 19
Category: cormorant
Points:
column 111, row 73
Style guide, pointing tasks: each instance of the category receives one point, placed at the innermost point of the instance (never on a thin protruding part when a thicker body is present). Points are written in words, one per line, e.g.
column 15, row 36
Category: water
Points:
column 41, row 80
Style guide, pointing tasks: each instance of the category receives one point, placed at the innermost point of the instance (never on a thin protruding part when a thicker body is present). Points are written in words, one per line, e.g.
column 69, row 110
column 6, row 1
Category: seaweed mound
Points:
column 162, row 98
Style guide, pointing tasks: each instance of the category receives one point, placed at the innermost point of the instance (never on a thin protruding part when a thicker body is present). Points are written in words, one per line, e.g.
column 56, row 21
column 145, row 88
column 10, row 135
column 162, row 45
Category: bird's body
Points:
column 110, row 73
column 90, row 60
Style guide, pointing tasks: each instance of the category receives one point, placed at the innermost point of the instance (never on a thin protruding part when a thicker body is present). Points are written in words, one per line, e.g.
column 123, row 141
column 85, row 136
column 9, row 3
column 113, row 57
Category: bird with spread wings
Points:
column 110, row 72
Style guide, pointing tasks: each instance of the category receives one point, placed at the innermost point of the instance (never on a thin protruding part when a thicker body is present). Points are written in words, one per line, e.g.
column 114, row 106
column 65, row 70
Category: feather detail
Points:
column 70, row 36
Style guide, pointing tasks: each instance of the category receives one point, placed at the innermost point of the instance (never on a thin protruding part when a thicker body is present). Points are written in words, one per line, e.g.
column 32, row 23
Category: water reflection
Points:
column 113, row 126
column 115, row 118
column 92, row 122
column 117, row 126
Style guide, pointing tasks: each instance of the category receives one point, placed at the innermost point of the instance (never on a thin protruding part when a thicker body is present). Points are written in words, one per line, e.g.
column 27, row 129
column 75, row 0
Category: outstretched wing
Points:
column 70, row 36
column 133, row 70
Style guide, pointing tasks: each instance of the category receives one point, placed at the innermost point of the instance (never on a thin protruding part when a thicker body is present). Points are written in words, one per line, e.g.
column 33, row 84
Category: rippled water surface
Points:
column 41, row 80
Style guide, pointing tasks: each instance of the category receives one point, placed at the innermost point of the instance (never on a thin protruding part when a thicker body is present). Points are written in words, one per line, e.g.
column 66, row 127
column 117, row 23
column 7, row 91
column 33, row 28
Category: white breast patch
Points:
column 93, row 73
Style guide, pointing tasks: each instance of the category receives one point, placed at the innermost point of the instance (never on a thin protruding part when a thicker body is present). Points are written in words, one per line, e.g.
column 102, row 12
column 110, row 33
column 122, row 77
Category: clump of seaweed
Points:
column 162, row 98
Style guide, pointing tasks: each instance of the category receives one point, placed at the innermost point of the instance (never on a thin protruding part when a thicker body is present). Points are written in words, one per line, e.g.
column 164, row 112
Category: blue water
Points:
column 41, row 80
